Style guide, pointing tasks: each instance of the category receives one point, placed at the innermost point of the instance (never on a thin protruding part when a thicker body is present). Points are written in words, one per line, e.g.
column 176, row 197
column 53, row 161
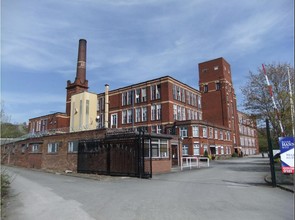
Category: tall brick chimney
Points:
column 81, row 63
column 80, row 84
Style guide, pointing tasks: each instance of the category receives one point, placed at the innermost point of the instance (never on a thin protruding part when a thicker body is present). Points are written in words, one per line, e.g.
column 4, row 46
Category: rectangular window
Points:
column 195, row 131
column 218, row 86
column 221, row 135
column 144, row 113
column 153, row 112
column 196, row 149
column 178, row 93
column 199, row 102
column 183, row 131
column 143, row 95
column 52, row 147
column 159, row 148
column 183, row 116
column 188, row 97
column 129, row 116
column 184, row 150
column 137, row 115
column 35, row 148
column 175, row 112
column 155, row 92
column 189, row 114
column 216, row 134
column 137, row 96
column 129, row 97
column 205, row 88
column 159, row 112
column 124, row 98
column 159, row 129
column 154, row 129
column 124, row 117
column 182, row 95
column 204, row 132
column 210, row 132
column 215, row 67
column 73, row 146
column 114, row 118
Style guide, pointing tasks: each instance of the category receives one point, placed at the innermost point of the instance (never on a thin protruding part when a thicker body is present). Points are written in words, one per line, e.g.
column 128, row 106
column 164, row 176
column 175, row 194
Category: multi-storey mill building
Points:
column 204, row 121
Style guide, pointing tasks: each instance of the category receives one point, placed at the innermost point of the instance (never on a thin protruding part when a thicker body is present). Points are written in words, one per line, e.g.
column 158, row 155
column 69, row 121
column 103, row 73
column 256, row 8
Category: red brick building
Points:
column 218, row 96
column 248, row 134
column 196, row 122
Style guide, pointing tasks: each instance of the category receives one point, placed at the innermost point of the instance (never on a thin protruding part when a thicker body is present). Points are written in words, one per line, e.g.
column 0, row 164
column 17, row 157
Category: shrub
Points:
column 234, row 154
column 5, row 182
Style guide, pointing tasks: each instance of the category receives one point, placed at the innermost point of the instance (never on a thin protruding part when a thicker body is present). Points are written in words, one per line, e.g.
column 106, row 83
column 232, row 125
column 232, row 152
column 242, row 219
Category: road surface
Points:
column 228, row 189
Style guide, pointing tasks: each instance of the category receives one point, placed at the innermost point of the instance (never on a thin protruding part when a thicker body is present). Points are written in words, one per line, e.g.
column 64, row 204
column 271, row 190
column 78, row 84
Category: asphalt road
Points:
column 229, row 189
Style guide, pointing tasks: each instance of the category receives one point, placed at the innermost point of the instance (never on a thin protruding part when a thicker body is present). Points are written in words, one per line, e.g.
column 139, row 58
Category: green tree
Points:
column 8, row 129
column 258, row 102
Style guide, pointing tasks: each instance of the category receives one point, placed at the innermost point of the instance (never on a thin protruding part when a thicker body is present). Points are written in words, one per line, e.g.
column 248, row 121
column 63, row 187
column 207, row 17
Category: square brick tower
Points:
column 218, row 95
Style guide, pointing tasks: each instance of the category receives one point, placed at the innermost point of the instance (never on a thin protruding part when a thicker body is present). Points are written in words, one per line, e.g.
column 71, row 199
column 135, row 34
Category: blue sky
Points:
column 129, row 41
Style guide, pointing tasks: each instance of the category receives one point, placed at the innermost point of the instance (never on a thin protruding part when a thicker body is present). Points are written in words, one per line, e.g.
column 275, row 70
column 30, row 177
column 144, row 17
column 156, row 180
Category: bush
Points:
column 234, row 154
column 5, row 182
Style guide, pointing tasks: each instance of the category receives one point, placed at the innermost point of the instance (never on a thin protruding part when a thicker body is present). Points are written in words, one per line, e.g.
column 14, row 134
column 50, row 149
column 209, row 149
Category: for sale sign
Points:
column 287, row 154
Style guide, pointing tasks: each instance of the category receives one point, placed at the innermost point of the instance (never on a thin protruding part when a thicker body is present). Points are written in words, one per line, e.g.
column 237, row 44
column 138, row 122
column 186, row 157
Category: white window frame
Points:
column 144, row 116
column 205, row 131
column 73, row 146
column 183, row 132
column 53, row 147
column 196, row 148
column 114, row 120
column 35, row 148
column 196, row 132
column 184, row 150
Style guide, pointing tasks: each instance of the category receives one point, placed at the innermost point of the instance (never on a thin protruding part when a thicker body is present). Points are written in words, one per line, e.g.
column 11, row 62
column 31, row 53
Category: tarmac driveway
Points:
column 229, row 189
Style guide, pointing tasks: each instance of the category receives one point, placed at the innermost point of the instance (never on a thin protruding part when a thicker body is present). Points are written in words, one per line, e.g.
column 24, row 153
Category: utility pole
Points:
column 271, row 161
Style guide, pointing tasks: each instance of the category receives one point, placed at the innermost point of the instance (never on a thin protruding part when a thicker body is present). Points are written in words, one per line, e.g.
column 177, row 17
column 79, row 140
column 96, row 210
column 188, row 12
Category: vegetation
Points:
column 5, row 182
column 258, row 102
column 8, row 129
column 234, row 154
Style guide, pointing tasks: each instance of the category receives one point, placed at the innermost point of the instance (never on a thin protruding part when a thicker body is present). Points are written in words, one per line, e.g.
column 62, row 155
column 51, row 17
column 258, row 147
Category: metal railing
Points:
column 189, row 162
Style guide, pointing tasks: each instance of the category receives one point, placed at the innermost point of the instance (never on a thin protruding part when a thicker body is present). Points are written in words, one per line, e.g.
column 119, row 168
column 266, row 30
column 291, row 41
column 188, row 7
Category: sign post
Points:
column 287, row 154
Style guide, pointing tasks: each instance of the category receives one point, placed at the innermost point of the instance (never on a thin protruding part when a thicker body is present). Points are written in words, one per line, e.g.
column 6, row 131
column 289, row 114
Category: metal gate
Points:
column 116, row 154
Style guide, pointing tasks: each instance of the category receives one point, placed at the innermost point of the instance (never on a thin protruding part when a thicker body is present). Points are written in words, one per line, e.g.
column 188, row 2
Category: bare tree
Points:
column 258, row 102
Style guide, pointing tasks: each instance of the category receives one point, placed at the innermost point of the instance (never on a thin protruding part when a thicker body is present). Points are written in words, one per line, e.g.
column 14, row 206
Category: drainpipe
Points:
column 106, row 107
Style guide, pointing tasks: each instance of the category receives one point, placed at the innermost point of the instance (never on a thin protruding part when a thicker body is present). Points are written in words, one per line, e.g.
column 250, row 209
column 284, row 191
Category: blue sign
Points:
column 287, row 154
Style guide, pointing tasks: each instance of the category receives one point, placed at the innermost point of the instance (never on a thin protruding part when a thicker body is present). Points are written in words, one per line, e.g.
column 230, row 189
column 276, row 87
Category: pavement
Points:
column 283, row 181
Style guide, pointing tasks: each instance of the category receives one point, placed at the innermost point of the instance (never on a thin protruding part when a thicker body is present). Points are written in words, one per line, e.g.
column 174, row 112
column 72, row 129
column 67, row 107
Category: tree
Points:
column 8, row 129
column 258, row 102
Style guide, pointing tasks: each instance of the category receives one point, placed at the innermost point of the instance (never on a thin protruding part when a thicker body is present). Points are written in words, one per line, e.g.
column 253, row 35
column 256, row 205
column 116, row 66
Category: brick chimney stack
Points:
column 81, row 63
column 81, row 83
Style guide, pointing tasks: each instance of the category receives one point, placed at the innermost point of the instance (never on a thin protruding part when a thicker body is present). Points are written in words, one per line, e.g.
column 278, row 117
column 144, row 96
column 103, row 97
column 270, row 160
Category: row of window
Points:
column 53, row 147
column 246, row 130
column 181, row 113
column 140, row 95
column 218, row 134
column 184, row 96
column 246, row 141
column 205, row 70
column 158, row 148
column 217, row 87
column 219, row 150
column 141, row 114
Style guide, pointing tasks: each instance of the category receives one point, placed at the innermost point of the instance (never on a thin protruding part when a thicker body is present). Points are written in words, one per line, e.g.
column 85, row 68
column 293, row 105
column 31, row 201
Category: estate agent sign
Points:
column 287, row 154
